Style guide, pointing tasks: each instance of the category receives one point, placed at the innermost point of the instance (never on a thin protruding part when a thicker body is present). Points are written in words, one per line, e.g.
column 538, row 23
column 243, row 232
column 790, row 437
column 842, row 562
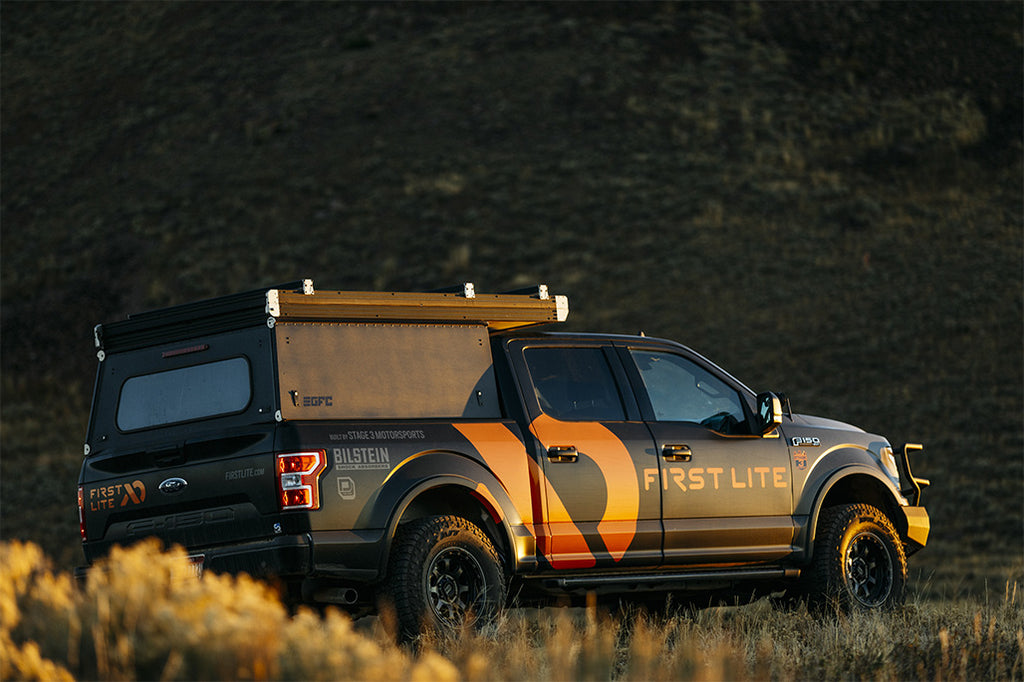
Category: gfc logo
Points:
column 311, row 400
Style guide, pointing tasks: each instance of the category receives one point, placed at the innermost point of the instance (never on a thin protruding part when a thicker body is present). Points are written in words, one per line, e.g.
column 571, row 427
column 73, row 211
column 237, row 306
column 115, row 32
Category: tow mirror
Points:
column 769, row 412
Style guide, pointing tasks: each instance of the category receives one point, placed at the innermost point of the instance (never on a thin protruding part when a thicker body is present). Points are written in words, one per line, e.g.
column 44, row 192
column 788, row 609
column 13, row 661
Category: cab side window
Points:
column 682, row 391
column 574, row 384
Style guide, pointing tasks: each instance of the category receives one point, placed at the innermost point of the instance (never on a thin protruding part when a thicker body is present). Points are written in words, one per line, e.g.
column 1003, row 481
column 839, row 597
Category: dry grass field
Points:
column 824, row 198
column 143, row 616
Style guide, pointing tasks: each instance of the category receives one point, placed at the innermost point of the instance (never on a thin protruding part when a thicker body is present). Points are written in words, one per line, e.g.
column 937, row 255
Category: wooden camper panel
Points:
column 339, row 370
column 497, row 311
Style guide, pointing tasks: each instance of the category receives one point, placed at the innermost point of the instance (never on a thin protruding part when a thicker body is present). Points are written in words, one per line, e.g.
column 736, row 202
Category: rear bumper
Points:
column 284, row 556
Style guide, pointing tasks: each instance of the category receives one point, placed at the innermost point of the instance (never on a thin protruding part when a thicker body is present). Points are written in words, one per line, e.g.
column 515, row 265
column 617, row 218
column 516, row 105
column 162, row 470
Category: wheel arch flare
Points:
column 466, row 489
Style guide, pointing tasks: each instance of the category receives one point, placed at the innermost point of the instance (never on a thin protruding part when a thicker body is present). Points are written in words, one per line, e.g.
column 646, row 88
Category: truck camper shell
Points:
column 392, row 355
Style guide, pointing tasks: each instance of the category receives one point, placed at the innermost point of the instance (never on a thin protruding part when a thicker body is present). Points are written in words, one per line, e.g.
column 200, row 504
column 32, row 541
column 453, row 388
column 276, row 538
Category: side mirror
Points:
column 769, row 413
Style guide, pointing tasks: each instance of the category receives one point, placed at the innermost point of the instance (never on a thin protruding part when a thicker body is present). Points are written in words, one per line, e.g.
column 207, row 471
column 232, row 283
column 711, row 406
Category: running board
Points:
column 633, row 580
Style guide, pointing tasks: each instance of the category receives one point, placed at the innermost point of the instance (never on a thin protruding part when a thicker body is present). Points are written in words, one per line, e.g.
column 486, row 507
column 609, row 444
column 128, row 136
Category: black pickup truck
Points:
column 434, row 451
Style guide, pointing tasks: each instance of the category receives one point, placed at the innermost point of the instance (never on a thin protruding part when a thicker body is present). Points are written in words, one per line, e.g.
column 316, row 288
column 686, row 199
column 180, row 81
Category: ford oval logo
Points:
column 172, row 486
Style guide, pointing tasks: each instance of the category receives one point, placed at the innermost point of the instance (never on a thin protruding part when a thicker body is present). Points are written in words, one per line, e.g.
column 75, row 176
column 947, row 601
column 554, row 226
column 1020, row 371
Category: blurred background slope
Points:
column 824, row 198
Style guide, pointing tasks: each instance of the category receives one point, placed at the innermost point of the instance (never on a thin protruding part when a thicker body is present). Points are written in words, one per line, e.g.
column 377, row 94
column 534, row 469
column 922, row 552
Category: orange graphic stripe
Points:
column 506, row 456
column 619, row 521
column 558, row 538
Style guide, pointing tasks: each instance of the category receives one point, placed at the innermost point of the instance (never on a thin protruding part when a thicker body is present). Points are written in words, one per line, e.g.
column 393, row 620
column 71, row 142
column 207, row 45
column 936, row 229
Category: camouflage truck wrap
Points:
column 434, row 451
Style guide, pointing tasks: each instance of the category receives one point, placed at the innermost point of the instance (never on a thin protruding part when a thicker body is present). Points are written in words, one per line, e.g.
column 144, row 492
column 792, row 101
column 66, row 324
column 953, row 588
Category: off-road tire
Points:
column 444, row 574
column 859, row 562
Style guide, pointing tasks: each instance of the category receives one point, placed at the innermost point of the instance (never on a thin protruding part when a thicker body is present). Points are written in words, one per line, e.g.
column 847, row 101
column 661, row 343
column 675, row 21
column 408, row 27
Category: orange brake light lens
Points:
column 298, row 479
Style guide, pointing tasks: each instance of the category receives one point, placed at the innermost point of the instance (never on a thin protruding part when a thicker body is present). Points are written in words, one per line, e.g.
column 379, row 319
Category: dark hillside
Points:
column 825, row 198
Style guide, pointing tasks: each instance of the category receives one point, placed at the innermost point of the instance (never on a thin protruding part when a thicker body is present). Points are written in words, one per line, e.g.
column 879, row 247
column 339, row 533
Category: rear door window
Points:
column 574, row 384
column 185, row 394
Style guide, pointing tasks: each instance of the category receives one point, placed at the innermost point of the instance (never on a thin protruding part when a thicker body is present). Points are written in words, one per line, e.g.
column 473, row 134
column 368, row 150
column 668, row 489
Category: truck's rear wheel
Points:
column 444, row 573
column 859, row 562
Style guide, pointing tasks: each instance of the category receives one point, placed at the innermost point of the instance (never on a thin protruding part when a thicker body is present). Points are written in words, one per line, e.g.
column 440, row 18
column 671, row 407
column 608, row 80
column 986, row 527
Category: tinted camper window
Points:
column 185, row 394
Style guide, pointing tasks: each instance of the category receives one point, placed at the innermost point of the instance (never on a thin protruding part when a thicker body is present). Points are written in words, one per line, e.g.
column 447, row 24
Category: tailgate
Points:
column 201, row 494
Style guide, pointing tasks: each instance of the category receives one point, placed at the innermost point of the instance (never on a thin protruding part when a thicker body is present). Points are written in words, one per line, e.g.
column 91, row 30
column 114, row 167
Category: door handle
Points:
column 562, row 453
column 676, row 453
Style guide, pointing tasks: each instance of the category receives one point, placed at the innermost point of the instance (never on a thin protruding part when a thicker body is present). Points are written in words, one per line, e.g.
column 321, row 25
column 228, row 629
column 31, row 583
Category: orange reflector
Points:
column 81, row 512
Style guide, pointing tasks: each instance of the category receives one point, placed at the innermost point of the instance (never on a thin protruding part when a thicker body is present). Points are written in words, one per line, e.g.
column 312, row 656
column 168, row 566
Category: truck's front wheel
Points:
column 859, row 562
column 444, row 572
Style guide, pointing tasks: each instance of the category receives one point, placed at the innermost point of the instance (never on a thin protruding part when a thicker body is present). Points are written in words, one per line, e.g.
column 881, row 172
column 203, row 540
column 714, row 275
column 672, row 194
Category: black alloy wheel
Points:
column 455, row 586
column 444, row 574
column 869, row 570
column 859, row 562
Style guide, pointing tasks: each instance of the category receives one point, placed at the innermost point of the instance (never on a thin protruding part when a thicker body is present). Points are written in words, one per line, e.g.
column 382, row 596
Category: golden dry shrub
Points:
column 146, row 614
column 315, row 648
column 35, row 607
column 143, row 614
column 328, row 648
column 27, row 663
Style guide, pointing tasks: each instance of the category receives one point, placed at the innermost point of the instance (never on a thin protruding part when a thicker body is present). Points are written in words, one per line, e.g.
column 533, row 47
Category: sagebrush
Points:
column 142, row 615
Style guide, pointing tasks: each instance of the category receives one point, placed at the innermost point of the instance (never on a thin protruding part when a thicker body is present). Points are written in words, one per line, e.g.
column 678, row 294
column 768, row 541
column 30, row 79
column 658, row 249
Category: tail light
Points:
column 298, row 479
column 81, row 513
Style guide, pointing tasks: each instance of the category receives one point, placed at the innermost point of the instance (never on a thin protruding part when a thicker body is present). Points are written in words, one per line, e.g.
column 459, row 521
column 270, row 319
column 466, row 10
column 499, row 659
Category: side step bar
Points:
column 666, row 579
